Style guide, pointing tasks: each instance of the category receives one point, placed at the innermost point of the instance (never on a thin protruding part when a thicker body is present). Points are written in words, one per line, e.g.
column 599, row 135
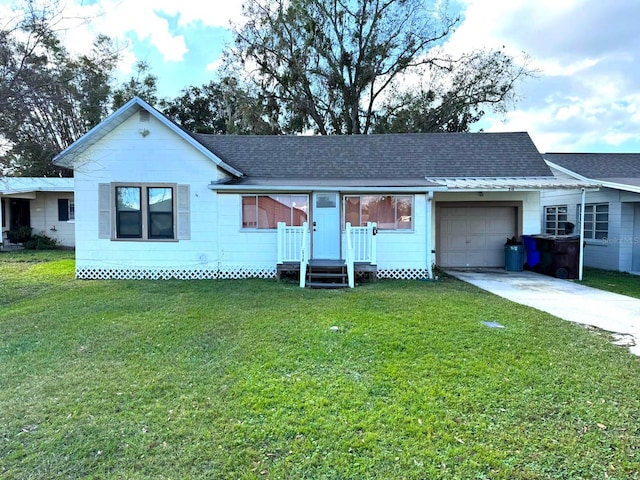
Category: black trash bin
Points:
column 559, row 255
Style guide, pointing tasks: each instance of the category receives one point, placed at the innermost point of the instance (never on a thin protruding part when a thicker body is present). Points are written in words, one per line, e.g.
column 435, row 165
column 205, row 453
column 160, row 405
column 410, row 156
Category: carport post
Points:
column 429, row 243
column 581, row 259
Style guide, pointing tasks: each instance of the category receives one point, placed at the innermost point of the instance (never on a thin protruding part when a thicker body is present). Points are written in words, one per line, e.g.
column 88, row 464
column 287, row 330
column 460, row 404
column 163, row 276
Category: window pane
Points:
column 602, row 217
column 129, row 224
column 72, row 210
column 602, row 208
column 379, row 209
column 601, row 235
column 249, row 212
column 128, row 198
column 272, row 209
column 160, row 199
column 128, row 213
column 403, row 208
column 160, row 225
column 352, row 211
column 300, row 205
column 327, row 200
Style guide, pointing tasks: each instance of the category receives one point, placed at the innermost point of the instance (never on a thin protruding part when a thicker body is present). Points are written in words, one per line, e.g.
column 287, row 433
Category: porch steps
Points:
column 327, row 274
column 364, row 271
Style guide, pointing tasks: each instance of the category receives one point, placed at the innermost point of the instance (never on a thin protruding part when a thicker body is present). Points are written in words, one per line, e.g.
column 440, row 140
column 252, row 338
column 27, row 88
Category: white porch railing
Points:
column 363, row 240
column 305, row 253
column 290, row 242
column 294, row 245
column 349, row 258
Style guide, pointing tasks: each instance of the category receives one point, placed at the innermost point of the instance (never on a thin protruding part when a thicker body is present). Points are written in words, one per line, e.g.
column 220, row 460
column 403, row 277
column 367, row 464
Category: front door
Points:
column 326, row 225
column 19, row 213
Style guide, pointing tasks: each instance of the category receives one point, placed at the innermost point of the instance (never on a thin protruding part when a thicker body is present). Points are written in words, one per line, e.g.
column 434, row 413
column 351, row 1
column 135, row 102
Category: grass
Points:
column 246, row 379
column 617, row 282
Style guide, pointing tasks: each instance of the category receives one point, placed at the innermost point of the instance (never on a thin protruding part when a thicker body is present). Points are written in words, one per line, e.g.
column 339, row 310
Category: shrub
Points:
column 41, row 242
column 19, row 235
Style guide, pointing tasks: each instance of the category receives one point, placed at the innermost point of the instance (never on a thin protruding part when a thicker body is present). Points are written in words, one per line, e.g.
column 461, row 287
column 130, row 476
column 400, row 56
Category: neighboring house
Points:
column 154, row 201
column 612, row 214
column 44, row 204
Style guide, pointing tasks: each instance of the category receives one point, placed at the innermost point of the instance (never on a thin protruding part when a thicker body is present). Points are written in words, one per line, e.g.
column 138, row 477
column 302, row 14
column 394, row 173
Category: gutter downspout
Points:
column 429, row 242
column 581, row 258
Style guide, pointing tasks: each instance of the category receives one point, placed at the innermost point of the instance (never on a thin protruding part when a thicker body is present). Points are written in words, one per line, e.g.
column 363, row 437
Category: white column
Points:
column 429, row 243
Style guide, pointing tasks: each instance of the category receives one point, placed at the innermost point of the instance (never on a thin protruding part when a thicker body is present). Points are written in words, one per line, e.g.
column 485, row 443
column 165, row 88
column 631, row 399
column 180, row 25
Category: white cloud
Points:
column 584, row 95
column 153, row 21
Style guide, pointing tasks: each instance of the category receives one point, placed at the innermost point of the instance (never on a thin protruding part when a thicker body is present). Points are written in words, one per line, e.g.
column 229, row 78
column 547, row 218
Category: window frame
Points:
column 66, row 210
column 145, row 213
column 257, row 196
column 556, row 229
column 380, row 225
column 591, row 212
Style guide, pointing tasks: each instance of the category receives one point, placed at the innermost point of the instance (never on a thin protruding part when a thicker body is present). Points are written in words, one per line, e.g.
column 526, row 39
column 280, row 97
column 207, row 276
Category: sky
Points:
column 585, row 96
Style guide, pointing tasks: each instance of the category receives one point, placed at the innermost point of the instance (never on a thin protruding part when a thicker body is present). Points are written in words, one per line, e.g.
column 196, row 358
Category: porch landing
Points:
column 326, row 273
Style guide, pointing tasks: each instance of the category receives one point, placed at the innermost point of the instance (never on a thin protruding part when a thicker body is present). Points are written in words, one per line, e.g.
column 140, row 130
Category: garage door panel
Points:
column 474, row 236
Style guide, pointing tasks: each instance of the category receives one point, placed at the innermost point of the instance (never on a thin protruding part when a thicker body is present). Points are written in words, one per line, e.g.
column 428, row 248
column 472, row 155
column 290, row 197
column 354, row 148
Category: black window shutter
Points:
column 63, row 209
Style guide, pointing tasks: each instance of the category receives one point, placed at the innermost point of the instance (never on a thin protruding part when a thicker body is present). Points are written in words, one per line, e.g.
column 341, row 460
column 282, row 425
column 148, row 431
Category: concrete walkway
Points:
column 562, row 298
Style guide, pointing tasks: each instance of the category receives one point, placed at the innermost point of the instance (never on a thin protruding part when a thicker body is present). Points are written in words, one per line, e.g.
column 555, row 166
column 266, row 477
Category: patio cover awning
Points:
column 511, row 184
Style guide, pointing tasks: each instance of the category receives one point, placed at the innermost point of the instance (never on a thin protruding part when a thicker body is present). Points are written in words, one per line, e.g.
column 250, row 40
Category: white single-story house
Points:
column 44, row 204
column 612, row 214
column 155, row 201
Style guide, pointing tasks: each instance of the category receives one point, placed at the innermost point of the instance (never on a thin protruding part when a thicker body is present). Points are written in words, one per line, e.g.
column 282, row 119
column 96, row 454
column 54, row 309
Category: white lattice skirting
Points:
column 229, row 273
column 94, row 273
column 403, row 273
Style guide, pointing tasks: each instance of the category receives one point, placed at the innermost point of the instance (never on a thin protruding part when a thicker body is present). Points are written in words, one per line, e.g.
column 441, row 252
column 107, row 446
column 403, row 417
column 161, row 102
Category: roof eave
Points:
column 602, row 183
column 68, row 155
column 322, row 188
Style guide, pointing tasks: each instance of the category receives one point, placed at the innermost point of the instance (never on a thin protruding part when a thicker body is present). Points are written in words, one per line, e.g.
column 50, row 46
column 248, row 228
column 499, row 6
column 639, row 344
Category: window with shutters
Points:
column 145, row 212
column 66, row 210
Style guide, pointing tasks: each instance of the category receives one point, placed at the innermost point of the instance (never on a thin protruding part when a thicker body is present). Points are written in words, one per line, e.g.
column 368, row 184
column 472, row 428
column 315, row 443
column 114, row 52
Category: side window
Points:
column 555, row 219
column 128, row 212
column 596, row 221
column 66, row 210
column 142, row 212
column 160, row 214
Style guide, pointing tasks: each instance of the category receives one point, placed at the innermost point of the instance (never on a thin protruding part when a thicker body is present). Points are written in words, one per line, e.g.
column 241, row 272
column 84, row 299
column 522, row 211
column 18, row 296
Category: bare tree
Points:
column 48, row 97
column 330, row 63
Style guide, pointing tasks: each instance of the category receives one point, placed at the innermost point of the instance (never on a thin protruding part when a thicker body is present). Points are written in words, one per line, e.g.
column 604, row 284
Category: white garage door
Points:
column 474, row 236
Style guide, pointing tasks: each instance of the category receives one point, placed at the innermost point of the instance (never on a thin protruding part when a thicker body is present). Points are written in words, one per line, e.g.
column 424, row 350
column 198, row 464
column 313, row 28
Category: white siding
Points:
column 616, row 253
column 397, row 250
column 44, row 218
column 242, row 248
column 159, row 157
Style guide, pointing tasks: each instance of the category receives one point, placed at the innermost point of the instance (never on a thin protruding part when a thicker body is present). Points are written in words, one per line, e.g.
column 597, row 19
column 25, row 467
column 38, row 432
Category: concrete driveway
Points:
column 562, row 298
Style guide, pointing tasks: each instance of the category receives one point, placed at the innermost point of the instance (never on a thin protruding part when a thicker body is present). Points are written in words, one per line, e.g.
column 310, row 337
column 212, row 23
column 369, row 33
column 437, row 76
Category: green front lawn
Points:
column 246, row 379
column 617, row 282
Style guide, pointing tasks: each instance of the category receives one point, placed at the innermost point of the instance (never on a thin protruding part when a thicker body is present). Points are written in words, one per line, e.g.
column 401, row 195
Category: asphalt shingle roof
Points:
column 391, row 156
column 600, row 166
